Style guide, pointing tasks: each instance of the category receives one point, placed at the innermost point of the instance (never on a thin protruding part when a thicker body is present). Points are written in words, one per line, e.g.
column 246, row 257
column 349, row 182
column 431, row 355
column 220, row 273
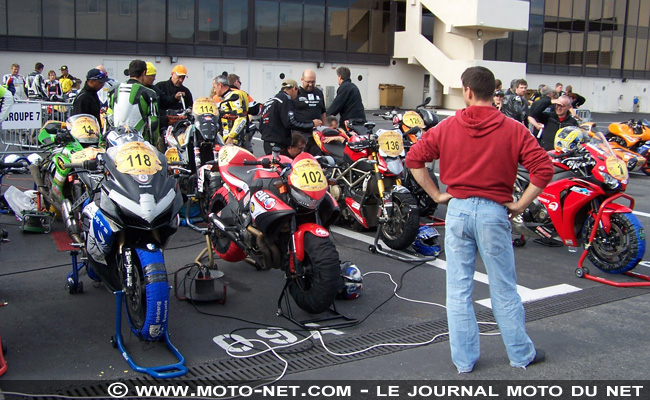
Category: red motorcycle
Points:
column 589, row 177
column 276, row 211
column 368, row 173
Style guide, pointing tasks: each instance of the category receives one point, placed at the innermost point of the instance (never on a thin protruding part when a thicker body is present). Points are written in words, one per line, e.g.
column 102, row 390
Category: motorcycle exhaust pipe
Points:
column 71, row 225
column 222, row 227
column 519, row 227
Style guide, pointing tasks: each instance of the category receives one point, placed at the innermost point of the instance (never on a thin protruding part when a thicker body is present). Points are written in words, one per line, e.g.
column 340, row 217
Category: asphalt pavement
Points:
column 58, row 342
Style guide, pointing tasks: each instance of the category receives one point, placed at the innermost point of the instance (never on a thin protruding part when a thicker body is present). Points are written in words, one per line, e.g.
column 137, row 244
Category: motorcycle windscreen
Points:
column 84, row 128
column 138, row 189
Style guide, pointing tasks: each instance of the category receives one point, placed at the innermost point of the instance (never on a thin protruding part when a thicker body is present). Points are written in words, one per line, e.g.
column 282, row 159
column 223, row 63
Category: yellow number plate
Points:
column 85, row 128
column 204, row 105
column 308, row 176
column 411, row 119
column 616, row 167
column 136, row 158
column 89, row 153
column 391, row 143
column 172, row 155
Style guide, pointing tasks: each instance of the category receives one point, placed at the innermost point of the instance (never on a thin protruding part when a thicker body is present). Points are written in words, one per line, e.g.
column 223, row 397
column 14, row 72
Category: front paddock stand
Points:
column 162, row 371
column 376, row 248
column 333, row 320
column 583, row 272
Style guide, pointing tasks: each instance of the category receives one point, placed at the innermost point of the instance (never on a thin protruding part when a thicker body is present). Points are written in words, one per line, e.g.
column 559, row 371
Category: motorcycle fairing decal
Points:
column 355, row 210
column 147, row 208
column 264, row 201
column 100, row 235
column 200, row 177
column 581, row 190
column 299, row 237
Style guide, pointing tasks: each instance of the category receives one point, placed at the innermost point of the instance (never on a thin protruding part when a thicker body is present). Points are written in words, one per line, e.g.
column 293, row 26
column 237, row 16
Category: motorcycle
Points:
column 74, row 141
column 634, row 161
column 589, row 178
column 368, row 175
column 127, row 222
column 195, row 143
column 634, row 136
column 276, row 211
column 412, row 124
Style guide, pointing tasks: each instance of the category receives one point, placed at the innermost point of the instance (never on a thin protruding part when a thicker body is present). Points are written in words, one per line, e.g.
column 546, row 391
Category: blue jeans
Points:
column 480, row 224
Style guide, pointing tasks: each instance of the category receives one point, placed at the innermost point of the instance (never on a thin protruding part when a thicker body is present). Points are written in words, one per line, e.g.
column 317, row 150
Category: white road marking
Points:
column 525, row 293
column 641, row 213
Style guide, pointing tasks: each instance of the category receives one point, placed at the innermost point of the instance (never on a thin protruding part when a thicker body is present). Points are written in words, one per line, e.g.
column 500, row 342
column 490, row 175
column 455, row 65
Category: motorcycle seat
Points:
column 335, row 149
column 558, row 174
column 244, row 173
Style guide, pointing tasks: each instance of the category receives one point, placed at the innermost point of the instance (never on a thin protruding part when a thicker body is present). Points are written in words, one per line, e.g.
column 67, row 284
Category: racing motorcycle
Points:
column 276, row 211
column 589, row 178
column 634, row 136
column 74, row 141
column 195, row 143
column 412, row 124
column 368, row 172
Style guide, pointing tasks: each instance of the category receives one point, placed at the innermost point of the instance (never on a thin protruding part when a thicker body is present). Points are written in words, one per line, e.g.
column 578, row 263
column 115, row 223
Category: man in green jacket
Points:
column 136, row 105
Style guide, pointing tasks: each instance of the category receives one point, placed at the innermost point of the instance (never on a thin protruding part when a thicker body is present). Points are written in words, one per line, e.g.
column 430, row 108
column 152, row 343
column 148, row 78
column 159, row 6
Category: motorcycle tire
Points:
column 400, row 231
column 622, row 249
column 225, row 248
column 646, row 168
column 148, row 303
column 316, row 290
column 426, row 205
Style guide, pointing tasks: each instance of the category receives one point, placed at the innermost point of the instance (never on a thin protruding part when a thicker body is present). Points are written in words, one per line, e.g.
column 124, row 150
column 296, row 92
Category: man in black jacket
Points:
column 515, row 105
column 310, row 105
column 87, row 101
column 555, row 120
column 278, row 118
column 348, row 99
column 174, row 94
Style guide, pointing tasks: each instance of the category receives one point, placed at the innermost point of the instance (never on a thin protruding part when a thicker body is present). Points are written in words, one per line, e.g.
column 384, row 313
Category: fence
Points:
column 585, row 115
column 17, row 141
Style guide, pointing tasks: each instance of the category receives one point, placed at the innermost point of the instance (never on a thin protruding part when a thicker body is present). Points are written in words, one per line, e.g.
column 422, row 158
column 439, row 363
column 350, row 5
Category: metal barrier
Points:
column 25, row 140
column 585, row 115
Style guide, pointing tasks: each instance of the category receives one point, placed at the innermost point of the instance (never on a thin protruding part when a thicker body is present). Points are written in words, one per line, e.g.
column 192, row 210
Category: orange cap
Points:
column 180, row 70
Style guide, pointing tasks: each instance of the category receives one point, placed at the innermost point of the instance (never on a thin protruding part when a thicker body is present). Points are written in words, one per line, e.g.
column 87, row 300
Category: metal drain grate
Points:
column 266, row 366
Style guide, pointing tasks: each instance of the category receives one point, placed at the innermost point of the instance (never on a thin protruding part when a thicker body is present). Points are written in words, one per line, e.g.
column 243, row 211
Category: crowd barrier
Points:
column 585, row 115
column 25, row 140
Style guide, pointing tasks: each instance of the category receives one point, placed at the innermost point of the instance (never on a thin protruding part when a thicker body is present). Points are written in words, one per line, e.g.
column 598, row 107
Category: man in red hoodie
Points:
column 479, row 194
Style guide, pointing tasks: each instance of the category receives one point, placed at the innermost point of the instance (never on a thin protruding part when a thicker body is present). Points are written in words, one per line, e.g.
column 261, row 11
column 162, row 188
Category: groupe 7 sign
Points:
column 23, row 116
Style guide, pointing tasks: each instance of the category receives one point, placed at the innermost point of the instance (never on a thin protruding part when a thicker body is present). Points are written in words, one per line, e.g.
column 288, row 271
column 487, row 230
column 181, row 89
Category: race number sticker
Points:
column 137, row 158
column 308, row 176
column 411, row 119
column 172, row 155
column 84, row 128
column 390, row 142
column 616, row 167
column 204, row 105
column 89, row 153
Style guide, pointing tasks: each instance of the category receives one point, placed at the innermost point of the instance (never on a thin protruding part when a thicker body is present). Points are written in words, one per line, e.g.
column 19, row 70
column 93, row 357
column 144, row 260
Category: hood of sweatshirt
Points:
column 480, row 120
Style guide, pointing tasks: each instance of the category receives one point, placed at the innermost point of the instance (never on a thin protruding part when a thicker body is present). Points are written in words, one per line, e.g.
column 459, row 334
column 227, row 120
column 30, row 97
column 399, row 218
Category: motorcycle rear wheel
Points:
column 401, row 230
column 316, row 290
column 622, row 249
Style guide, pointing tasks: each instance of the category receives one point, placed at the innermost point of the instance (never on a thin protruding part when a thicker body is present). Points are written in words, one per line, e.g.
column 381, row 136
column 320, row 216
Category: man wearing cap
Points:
column 136, row 105
column 66, row 80
column 278, row 118
column 87, row 101
column 175, row 95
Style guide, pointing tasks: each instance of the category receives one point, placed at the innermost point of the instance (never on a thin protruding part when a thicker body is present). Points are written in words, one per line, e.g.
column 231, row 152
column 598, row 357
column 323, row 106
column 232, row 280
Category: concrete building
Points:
column 600, row 47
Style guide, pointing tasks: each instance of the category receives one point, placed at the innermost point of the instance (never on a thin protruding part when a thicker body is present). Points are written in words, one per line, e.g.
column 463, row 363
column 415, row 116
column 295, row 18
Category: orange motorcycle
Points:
column 634, row 161
column 634, row 136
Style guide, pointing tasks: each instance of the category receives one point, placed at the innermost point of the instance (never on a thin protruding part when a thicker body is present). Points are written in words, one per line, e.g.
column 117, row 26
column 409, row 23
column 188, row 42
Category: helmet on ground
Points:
column 427, row 241
column 352, row 281
column 569, row 138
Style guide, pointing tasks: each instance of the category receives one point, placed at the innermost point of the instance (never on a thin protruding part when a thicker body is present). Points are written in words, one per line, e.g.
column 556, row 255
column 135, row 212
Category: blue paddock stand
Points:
column 162, row 371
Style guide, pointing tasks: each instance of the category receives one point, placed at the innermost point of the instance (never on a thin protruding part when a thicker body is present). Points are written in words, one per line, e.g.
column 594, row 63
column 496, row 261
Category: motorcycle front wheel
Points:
column 621, row 249
column 400, row 231
column 316, row 290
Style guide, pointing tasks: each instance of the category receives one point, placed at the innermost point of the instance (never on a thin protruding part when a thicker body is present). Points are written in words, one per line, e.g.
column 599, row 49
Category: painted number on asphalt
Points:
column 275, row 336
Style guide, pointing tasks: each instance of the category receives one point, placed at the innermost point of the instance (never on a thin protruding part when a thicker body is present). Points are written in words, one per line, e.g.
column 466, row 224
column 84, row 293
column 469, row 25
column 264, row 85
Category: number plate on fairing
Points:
column 137, row 158
column 411, row 119
column 307, row 175
column 204, row 105
column 391, row 143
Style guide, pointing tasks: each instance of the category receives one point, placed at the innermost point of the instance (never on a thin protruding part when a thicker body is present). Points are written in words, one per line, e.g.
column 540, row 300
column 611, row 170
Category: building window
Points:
column 337, row 28
column 24, row 17
column 266, row 23
column 209, row 21
column 313, row 31
column 59, row 19
column 235, row 25
column 379, row 32
column 180, row 21
column 91, row 19
column 290, row 25
column 151, row 17
column 122, row 20
column 359, row 30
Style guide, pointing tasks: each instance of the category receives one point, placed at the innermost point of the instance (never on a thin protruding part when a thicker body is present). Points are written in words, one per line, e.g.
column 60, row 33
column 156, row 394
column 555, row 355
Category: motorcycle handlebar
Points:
column 89, row 164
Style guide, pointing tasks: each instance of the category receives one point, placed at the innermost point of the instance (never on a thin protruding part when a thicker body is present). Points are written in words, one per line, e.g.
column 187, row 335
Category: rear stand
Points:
column 162, row 371
column 376, row 248
column 583, row 272
column 310, row 324
column 3, row 363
